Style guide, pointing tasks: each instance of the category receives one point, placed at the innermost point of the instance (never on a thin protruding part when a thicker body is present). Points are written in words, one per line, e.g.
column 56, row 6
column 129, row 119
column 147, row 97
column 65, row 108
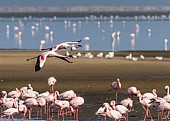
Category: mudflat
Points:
column 90, row 78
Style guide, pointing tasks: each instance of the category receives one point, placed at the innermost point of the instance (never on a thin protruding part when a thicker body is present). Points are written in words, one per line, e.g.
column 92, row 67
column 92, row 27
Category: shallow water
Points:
column 99, row 29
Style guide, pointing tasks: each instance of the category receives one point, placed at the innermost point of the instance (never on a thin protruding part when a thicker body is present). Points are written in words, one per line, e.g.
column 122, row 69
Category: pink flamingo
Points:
column 11, row 111
column 64, row 45
column 50, row 99
column 145, row 101
column 15, row 94
column 41, row 59
column 61, row 105
column 41, row 103
column 101, row 111
column 30, row 103
column 51, row 83
column 112, row 114
column 22, row 109
column 76, row 103
column 116, row 86
column 131, row 91
column 127, row 103
column 120, row 108
column 25, row 88
column 67, row 95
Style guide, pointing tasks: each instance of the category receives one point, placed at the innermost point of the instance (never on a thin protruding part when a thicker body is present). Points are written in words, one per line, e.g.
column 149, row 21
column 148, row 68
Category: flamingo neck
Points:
column 168, row 90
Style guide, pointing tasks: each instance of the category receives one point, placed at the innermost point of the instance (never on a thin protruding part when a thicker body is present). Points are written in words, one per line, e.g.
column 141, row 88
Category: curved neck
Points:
column 168, row 90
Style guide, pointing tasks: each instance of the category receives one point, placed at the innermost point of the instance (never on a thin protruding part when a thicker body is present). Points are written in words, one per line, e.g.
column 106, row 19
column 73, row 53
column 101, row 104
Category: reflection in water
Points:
column 98, row 28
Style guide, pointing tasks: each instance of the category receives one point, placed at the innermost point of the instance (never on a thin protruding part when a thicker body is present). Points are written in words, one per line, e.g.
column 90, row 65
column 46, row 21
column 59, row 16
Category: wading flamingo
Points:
column 11, row 111
column 41, row 59
column 116, row 86
column 51, row 83
column 76, row 103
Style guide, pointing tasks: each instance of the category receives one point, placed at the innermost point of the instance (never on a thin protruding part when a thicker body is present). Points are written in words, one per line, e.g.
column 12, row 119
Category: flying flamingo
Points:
column 76, row 103
column 64, row 45
column 116, row 86
column 11, row 111
column 51, row 83
column 41, row 59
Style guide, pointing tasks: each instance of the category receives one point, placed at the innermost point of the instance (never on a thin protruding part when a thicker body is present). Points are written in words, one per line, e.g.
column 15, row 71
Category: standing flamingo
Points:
column 30, row 103
column 11, row 111
column 120, row 108
column 67, row 95
column 116, row 86
column 76, row 103
column 15, row 93
column 127, row 103
column 167, row 97
column 51, row 83
column 41, row 103
column 22, row 109
column 41, row 59
column 145, row 101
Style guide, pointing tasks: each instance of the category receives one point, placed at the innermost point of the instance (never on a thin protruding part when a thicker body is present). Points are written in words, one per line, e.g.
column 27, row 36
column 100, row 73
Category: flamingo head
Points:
column 166, row 87
column 3, row 93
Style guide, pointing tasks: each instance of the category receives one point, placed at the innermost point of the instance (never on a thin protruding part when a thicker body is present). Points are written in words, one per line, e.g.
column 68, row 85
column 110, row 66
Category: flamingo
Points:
column 76, row 103
column 41, row 103
column 128, row 102
column 11, row 111
column 41, row 59
column 67, row 95
column 44, row 94
column 131, row 91
column 30, row 94
column 51, row 83
column 22, row 109
column 15, row 93
column 113, row 114
column 25, row 88
column 50, row 99
column 30, row 103
column 116, row 86
column 120, row 108
column 101, row 111
column 167, row 97
column 61, row 105
column 64, row 45
column 145, row 101
column 161, row 106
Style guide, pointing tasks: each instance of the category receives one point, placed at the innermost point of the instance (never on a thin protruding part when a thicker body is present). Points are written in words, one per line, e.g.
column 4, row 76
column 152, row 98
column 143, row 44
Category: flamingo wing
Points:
column 40, row 62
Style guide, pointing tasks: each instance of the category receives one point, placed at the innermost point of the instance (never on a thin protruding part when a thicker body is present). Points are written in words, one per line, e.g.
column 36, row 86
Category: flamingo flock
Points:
column 26, row 101
column 118, row 110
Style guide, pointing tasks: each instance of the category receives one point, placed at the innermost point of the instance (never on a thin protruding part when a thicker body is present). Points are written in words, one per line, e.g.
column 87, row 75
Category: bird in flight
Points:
column 41, row 59
column 64, row 45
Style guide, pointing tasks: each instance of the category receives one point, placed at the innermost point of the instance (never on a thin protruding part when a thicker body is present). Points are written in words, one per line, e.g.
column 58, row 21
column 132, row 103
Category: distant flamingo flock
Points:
column 118, row 110
column 50, row 104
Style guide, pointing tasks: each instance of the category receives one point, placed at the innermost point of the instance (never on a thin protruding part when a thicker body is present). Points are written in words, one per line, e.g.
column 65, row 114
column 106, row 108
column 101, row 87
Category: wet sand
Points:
column 89, row 78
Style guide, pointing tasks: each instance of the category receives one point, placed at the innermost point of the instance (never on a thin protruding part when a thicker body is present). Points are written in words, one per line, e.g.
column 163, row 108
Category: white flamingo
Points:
column 67, row 95
column 41, row 59
column 51, row 83
column 11, row 111
column 167, row 97
column 76, row 103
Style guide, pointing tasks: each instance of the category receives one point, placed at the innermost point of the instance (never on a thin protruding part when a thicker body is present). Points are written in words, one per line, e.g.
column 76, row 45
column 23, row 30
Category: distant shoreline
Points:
column 82, row 11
